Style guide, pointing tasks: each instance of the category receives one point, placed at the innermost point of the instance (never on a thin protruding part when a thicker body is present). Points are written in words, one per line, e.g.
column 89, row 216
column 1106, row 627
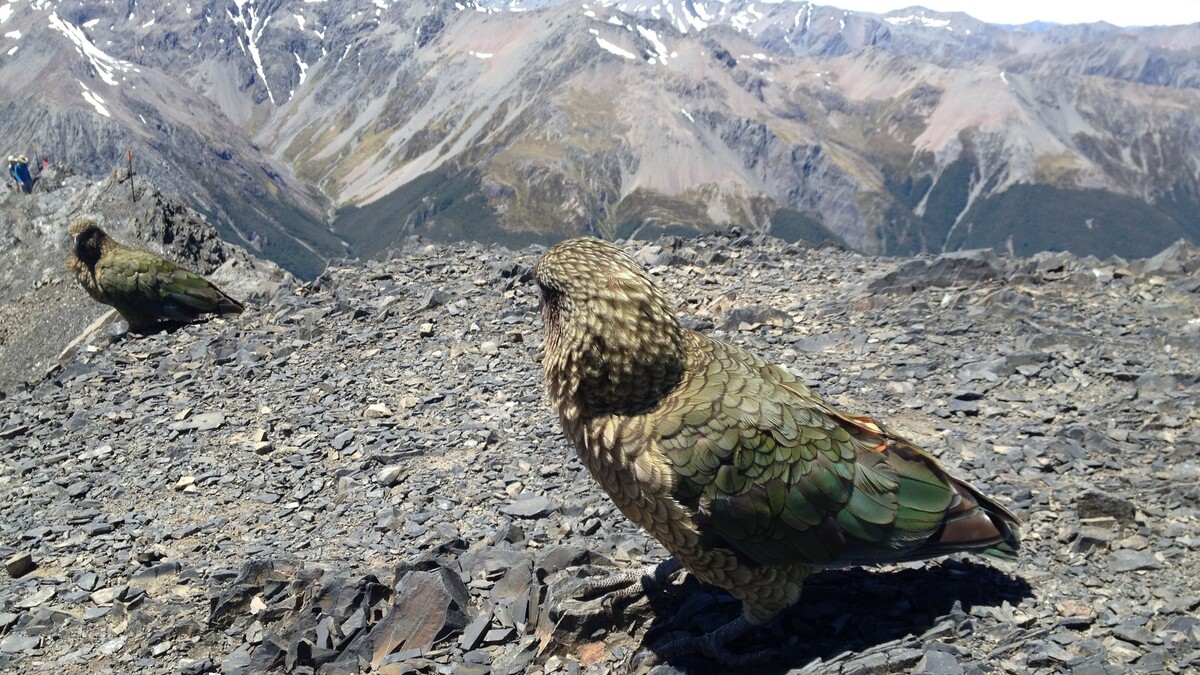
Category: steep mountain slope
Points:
column 527, row 121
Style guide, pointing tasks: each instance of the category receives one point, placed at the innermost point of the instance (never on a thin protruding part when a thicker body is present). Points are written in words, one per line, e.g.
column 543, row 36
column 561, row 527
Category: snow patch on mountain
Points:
column 97, row 102
column 303, row 67
column 105, row 66
column 919, row 19
column 660, row 49
column 247, row 19
column 613, row 49
column 745, row 19
column 805, row 11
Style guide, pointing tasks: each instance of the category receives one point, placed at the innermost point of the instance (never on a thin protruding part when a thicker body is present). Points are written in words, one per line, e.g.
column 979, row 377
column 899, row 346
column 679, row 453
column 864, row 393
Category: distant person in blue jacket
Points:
column 18, row 167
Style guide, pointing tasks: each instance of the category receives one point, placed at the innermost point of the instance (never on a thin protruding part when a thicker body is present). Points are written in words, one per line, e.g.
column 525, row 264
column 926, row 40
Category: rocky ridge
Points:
column 362, row 474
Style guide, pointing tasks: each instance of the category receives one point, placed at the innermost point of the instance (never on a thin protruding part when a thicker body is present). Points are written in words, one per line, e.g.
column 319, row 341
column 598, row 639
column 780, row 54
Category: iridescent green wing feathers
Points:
column 784, row 478
column 149, row 284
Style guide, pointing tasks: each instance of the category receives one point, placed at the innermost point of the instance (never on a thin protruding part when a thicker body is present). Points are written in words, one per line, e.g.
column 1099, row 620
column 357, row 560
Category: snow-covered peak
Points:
column 686, row 16
column 918, row 18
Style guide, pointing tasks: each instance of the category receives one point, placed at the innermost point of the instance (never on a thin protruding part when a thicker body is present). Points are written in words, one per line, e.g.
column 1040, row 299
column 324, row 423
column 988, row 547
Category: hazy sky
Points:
column 1119, row 12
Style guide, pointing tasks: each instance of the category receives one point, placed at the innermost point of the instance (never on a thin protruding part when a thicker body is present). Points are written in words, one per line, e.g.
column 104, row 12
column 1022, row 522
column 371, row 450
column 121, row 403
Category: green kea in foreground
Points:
column 750, row 479
column 145, row 288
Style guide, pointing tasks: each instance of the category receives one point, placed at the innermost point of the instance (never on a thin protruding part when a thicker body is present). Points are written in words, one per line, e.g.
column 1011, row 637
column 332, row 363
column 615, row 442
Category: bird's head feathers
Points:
column 613, row 345
column 89, row 241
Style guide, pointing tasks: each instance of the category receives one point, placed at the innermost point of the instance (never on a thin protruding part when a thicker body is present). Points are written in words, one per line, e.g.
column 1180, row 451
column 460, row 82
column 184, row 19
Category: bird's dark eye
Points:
column 549, row 293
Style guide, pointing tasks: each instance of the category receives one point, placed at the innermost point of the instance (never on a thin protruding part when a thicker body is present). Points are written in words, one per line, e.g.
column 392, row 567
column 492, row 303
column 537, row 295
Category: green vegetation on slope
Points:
column 439, row 205
column 947, row 199
column 944, row 201
column 1030, row 218
column 1183, row 205
column 279, row 231
column 791, row 225
column 1026, row 219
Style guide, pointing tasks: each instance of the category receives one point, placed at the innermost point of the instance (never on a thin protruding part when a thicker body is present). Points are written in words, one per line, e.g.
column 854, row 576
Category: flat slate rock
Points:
column 1129, row 561
column 529, row 506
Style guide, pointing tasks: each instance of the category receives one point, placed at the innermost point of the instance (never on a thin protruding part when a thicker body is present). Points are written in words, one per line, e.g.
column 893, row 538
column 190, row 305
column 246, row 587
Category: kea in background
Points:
column 145, row 288
column 747, row 477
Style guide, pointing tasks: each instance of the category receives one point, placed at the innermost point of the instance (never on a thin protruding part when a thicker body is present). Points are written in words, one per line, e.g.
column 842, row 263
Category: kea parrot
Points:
column 751, row 481
column 144, row 287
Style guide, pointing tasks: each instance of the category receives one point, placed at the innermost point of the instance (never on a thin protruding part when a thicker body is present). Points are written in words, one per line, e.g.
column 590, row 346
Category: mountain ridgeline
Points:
column 312, row 130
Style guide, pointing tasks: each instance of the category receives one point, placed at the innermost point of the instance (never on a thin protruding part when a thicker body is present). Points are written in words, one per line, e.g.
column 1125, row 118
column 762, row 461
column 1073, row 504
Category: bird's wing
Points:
column 141, row 279
column 783, row 477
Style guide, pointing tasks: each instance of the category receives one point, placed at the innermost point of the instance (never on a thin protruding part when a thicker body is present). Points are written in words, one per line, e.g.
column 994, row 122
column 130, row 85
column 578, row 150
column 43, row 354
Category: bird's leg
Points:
column 623, row 585
column 714, row 645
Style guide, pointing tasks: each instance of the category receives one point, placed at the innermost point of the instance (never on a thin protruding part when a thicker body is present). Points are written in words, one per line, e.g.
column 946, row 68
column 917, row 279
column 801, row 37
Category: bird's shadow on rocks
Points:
column 840, row 611
column 164, row 327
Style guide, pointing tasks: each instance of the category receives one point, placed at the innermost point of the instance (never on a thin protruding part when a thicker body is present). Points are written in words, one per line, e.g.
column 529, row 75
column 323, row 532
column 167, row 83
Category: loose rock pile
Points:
column 363, row 475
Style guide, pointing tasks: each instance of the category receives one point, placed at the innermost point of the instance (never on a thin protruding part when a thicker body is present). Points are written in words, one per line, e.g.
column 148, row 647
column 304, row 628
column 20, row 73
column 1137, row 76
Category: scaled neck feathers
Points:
column 613, row 345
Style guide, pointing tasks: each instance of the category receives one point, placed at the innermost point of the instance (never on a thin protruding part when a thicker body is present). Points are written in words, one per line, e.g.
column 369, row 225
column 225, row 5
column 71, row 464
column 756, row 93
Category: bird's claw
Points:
column 624, row 585
column 619, row 584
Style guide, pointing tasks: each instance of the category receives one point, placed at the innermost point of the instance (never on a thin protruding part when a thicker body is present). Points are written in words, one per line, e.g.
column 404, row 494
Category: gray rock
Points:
column 88, row 581
column 1095, row 504
column 341, row 440
column 947, row 270
column 96, row 529
column 1181, row 257
column 1049, row 655
column 435, row 298
column 1126, row 560
column 529, row 505
column 938, row 663
column 756, row 316
column 19, row 564
column 391, row 475
column 473, row 634
column 19, row 643
column 201, row 422
column 41, row 595
column 427, row 603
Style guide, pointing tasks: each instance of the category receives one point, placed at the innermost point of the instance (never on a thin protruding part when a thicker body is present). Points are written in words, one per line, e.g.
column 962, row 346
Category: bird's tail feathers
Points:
column 977, row 524
column 227, row 305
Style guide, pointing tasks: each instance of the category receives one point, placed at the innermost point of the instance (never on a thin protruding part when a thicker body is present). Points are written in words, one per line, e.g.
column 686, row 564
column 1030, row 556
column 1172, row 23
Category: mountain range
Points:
column 308, row 130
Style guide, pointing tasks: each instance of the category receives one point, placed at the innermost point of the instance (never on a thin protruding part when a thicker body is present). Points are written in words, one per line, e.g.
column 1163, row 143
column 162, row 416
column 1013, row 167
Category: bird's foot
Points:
column 625, row 585
column 714, row 645
column 589, row 605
